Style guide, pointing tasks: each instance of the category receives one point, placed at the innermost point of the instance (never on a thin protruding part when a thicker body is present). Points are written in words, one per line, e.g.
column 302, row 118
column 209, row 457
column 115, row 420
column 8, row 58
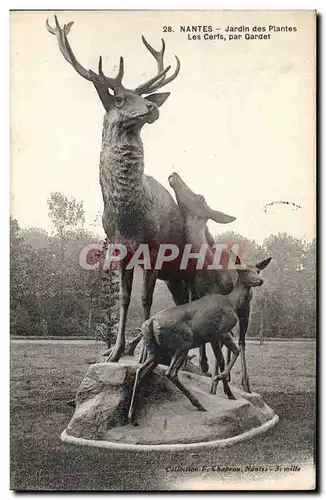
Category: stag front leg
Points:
column 125, row 286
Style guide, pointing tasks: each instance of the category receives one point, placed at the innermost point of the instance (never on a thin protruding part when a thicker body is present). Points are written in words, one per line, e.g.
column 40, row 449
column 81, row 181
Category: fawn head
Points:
column 194, row 206
column 126, row 108
column 249, row 275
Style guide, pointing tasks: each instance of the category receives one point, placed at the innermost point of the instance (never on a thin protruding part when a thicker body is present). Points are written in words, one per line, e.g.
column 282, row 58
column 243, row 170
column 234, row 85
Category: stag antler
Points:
column 66, row 50
column 159, row 80
column 100, row 80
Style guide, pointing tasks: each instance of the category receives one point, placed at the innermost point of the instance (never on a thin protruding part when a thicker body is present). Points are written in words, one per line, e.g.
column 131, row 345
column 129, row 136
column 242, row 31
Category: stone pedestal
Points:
column 165, row 416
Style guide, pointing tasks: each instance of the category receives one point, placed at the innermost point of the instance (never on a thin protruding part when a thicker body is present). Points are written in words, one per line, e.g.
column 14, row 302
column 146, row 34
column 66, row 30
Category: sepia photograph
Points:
column 163, row 250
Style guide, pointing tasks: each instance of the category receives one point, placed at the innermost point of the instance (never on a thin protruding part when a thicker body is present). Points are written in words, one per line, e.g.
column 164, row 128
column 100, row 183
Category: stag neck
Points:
column 121, row 167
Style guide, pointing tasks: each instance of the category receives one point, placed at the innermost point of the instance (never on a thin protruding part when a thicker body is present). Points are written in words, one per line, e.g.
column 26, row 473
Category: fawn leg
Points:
column 149, row 282
column 229, row 357
column 230, row 344
column 214, row 381
column 125, row 286
column 172, row 374
column 243, row 326
column 220, row 363
column 188, row 394
column 148, row 366
column 203, row 361
column 245, row 377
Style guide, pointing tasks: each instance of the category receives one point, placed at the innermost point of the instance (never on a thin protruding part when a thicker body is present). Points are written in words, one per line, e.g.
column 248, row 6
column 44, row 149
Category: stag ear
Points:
column 158, row 99
column 220, row 217
column 264, row 263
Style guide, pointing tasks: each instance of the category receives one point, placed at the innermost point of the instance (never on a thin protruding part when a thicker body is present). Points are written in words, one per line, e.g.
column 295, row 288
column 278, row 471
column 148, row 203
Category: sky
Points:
column 239, row 125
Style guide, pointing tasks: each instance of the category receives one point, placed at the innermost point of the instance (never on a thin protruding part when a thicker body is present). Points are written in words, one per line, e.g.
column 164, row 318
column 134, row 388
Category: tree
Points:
column 249, row 251
column 35, row 237
column 64, row 214
column 104, row 292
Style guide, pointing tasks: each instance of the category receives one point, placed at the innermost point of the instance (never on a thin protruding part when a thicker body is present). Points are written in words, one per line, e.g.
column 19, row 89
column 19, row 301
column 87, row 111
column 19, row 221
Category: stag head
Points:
column 125, row 106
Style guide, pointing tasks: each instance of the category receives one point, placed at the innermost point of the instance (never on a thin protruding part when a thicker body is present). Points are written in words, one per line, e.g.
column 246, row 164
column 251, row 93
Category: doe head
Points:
column 125, row 107
column 249, row 275
column 194, row 206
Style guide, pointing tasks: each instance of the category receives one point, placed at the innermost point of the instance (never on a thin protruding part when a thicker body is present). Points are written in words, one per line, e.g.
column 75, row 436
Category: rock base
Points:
column 165, row 416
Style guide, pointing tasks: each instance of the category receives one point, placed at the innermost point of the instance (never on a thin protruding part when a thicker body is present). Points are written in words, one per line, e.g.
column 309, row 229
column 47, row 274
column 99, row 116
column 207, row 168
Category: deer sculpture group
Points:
column 138, row 210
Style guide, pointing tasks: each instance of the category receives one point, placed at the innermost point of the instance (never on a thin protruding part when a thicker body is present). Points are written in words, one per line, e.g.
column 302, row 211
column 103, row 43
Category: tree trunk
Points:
column 261, row 335
column 62, row 257
column 90, row 313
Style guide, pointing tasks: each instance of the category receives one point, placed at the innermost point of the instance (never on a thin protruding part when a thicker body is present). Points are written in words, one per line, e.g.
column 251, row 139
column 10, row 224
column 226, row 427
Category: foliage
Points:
column 103, row 302
column 51, row 294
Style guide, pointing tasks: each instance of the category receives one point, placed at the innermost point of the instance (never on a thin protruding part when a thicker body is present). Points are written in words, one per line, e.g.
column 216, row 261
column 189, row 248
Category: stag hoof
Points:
column 108, row 352
column 116, row 355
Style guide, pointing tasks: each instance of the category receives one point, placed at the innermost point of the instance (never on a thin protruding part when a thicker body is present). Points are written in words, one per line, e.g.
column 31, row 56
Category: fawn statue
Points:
column 173, row 332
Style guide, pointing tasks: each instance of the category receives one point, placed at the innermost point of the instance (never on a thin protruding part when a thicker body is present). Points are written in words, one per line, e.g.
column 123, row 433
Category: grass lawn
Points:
column 45, row 376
